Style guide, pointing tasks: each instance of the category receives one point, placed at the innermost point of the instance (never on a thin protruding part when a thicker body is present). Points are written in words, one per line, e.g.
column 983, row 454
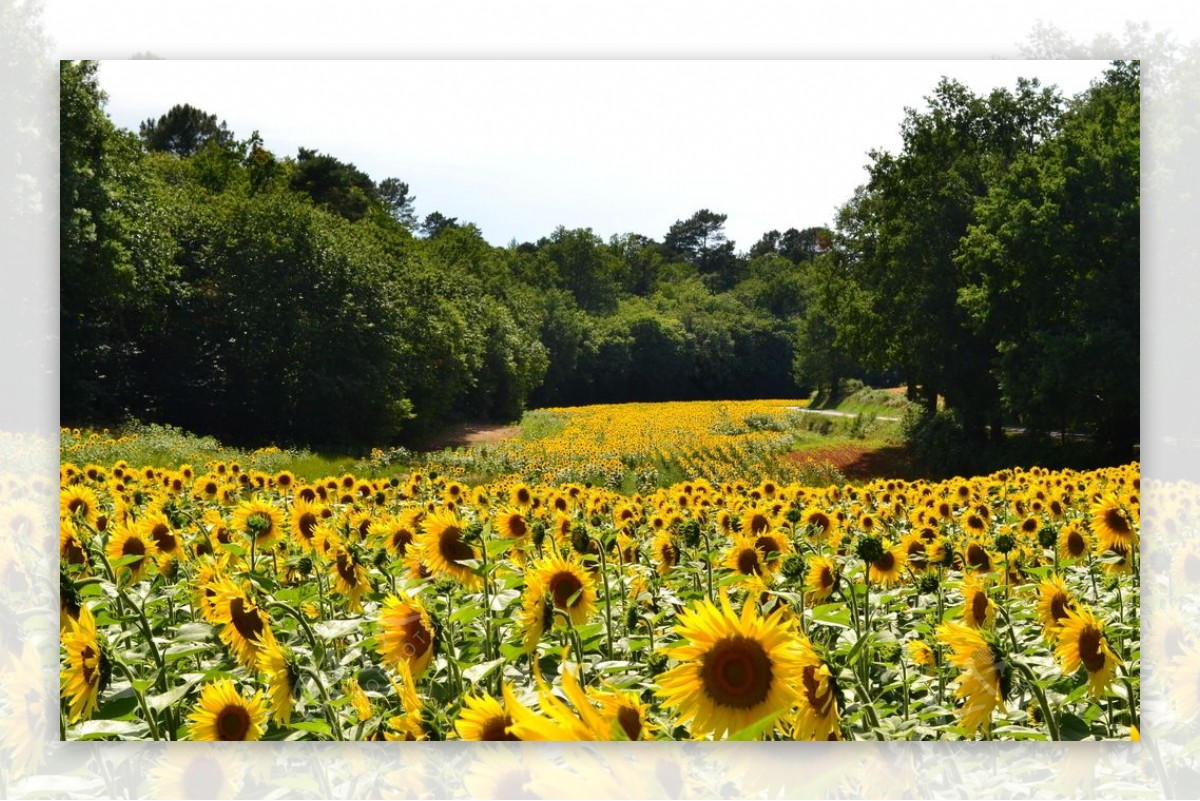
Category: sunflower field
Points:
column 223, row 603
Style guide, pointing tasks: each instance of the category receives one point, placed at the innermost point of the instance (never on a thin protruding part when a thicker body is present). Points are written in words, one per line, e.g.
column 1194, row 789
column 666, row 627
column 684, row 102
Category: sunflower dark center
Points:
column 522, row 496
column 1115, row 520
column 133, row 547
column 248, row 622
column 74, row 552
column 819, row 701
column 307, row 524
column 916, row 554
column 669, row 553
column 1058, row 607
column 86, row 655
column 401, row 540
column 233, row 722
column 978, row 557
column 820, row 521
column 345, row 569
column 416, row 635
column 1089, row 649
column 770, row 548
column 562, row 586
column 77, row 505
column 630, row 721
column 516, row 526
column 758, row 523
column 747, row 562
column 826, row 577
column 1076, row 544
column 979, row 605
column 496, row 729
column 451, row 546
column 737, row 673
column 163, row 537
column 975, row 522
column 1030, row 525
column 886, row 562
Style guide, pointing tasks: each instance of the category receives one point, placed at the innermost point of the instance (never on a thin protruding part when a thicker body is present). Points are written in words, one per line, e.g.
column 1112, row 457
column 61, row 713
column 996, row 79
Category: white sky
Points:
column 520, row 147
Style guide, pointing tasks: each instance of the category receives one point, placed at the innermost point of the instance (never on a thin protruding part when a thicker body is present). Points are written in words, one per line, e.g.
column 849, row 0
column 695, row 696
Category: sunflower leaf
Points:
column 476, row 673
column 337, row 629
column 163, row 700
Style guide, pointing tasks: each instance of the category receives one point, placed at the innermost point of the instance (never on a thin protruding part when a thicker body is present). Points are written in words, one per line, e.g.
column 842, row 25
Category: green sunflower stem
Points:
column 151, row 721
column 317, row 649
column 708, row 564
column 1040, row 695
column 607, row 602
column 330, row 717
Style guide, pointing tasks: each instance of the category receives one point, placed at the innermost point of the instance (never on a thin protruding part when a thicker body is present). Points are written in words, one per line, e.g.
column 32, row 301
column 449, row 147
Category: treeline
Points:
column 994, row 261
column 213, row 284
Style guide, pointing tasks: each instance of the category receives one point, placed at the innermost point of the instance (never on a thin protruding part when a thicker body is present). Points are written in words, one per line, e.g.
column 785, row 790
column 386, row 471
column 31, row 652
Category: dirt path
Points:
column 860, row 462
column 463, row 435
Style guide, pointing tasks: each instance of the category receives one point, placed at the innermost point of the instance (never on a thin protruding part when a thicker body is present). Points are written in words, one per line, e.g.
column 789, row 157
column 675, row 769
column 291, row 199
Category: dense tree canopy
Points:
column 210, row 282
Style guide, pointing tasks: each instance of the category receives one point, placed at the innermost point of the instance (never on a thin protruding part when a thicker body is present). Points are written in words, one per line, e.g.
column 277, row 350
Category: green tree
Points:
column 1053, row 270
column 183, row 130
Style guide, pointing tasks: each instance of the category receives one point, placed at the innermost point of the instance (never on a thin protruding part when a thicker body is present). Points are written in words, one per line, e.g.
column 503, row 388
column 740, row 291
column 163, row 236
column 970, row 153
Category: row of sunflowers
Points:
column 229, row 604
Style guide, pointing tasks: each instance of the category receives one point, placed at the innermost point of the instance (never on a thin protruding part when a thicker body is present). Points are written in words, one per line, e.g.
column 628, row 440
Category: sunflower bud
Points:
column 793, row 515
column 539, row 534
column 68, row 595
column 381, row 559
column 473, row 532
column 794, row 567
column 1005, row 543
column 690, row 531
column 929, row 583
column 1047, row 537
column 580, row 540
column 632, row 617
column 305, row 565
column 869, row 549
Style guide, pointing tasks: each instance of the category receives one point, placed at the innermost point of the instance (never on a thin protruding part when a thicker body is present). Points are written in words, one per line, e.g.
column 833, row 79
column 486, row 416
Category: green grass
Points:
column 539, row 423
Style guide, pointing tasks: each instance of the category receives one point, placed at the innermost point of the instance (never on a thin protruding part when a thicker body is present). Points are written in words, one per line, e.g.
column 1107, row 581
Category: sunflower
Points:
column 482, row 717
column 566, row 583
column 817, row 716
column 744, row 559
column 407, row 634
column 283, row 676
column 985, row 675
column 666, row 552
column 245, row 626
column 557, row 721
column 1081, row 641
column 511, row 524
column 305, row 517
column 921, row 654
column 756, row 521
column 79, row 503
column 887, row 570
column 1112, row 524
column 407, row 727
column 624, row 713
column 1054, row 601
column 71, row 550
column 348, row 576
column 223, row 713
column 129, row 542
column 773, row 547
column 821, row 579
column 520, row 495
column 1072, row 543
column 259, row 520
column 978, row 558
column 157, row 528
column 445, row 550
column 979, row 611
column 733, row 672
column 87, row 669
column 819, row 524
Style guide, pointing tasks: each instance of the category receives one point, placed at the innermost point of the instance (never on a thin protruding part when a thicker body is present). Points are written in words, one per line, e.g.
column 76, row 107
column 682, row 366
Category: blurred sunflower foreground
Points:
column 227, row 604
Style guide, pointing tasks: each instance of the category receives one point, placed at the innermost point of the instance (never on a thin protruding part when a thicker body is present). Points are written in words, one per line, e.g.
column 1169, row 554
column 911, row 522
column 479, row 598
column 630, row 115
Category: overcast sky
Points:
column 520, row 147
